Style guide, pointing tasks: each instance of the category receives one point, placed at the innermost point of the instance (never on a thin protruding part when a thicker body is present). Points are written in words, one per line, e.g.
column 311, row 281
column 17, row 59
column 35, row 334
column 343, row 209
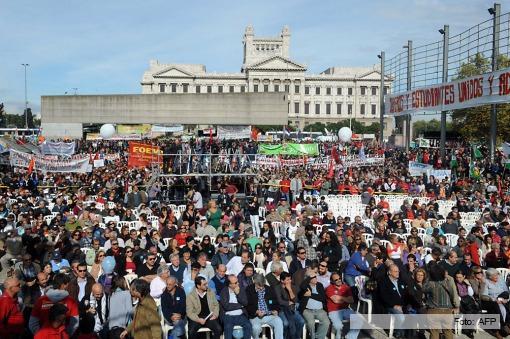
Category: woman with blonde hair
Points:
column 96, row 269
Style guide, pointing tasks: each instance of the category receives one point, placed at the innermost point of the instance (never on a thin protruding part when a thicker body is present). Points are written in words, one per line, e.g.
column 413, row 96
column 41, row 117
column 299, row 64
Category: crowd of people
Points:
column 120, row 252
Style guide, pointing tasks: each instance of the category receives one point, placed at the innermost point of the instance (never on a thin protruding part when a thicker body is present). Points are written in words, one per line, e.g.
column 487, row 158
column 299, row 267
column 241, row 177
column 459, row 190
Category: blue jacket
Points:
column 357, row 265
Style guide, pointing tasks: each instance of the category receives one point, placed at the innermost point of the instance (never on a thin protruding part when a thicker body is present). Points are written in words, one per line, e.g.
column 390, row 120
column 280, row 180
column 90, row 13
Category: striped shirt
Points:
column 441, row 294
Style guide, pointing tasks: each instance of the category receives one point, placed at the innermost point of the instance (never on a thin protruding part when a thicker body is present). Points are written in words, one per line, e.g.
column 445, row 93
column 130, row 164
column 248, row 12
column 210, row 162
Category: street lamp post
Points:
column 446, row 36
column 381, row 99
column 26, row 100
column 409, row 48
column 495, row 12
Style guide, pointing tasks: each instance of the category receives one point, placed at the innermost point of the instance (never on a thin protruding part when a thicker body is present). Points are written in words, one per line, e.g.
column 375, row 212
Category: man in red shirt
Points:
column 55, row 328
column 285, row 187
column 57, row 294
column 339, row 297
column 12, row 324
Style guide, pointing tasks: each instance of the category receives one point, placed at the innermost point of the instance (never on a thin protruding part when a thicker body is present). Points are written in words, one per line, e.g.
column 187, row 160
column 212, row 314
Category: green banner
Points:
column 289, row 149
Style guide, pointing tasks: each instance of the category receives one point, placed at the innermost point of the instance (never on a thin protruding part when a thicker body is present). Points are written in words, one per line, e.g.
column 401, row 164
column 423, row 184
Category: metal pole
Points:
column 409, row 74
column 446, row 38
column 381, row 99
column 495, row 51
column 26, row 100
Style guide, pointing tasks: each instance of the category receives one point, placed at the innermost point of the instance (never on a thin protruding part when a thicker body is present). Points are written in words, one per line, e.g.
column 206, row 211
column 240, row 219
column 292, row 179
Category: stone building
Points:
column 338, row 93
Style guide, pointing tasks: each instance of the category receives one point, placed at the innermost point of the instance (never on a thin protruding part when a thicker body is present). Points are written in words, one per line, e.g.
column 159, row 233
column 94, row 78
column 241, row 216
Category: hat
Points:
column 269, row 199
column 56, row 255
column 202, row 218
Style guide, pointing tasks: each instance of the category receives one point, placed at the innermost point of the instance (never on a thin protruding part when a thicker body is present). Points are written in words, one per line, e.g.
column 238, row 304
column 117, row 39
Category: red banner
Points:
column 142, row 155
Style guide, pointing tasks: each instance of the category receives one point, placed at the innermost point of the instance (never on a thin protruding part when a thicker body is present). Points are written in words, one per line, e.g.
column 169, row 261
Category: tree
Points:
column 30, row 118
column 474, row 123
column 3, row 122
column 422, row 126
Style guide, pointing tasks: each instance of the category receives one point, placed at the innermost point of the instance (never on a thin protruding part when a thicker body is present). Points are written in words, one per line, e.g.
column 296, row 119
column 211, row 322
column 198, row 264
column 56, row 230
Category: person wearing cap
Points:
column 27, row 270
column 450, row 226
column 222, row 256
column 204, row 229
column 57, row 262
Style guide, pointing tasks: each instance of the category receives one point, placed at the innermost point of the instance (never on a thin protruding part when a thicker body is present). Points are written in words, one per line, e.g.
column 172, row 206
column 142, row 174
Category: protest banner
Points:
column 417, row 169
column 57, row 148
column 48, row 164
column 488, row 88
column 439, row 174
column 356, row 161
column 142, row 155
column 228, row 132
column 98, row 163
column 289, row 149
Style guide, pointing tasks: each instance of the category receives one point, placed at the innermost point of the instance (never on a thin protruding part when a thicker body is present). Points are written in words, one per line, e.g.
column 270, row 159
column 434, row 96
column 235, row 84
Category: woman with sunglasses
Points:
column 126, row 263
column 96, row 269
column 206, row 247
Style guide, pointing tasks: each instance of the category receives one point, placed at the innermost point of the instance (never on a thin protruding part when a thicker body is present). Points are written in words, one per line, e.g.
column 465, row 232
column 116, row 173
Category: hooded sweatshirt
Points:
column 40, row 312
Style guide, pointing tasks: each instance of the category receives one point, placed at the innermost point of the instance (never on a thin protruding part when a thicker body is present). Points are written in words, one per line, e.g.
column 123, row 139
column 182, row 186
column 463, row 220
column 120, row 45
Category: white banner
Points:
column 99, row 163
column 440, row 174
column 58, row 148
column 488, row 88
column 20, row 159
column 228, row 132
column 417, row 169
column 356, row 161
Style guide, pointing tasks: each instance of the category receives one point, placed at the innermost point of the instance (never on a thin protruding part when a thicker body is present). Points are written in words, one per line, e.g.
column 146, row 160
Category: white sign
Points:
column 440, row 174
column 417, row 169
column 228, row 132
column 75, row 165
column 488, row 88
column 99, row 163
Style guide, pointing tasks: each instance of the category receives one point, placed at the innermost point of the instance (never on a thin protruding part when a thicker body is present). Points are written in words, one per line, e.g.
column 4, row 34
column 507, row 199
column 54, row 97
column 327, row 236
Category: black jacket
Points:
column 319, row 296
column 389, row 295
column 253, row 304
column 295, row 265
column 227, row 306
column 173, row 304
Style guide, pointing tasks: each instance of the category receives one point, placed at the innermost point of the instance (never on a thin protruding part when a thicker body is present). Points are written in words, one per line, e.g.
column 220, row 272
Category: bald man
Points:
column 99, row 309
column 13, row 323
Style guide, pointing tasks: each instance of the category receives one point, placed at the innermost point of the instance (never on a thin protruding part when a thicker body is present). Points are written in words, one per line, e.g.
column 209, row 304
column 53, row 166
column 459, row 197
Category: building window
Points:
column 328, row 90
column 173, row 88
column 161, row 88
column 197, row 89
column 374, row 109
column 209, row 89
column 339, row 108
column 374, row 90
column 363, row 90
column 220, row 89
column 277, row 88
column 317, row 90
column 184, row 88
column 328, row 108
column 339, row 91
column 317, row 108
column 243, row 89
column 255, row 88
column 385, row 90
column 307, row 89
column 296, row 89
column 231, row 89
column 349, row 109
column 362, row 109
column 287, row 88
column 349, row 91
column 296, row 107
column 266, row 88
column 307, row 108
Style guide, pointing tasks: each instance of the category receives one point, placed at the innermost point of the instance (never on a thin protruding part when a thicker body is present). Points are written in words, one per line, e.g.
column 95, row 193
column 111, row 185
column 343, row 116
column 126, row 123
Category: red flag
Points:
column 254, row 133
column 31, row 165
column 331, row 171
column 334, row 154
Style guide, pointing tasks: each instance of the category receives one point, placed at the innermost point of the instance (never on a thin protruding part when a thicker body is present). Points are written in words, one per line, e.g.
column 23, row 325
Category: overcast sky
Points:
column 103, row 47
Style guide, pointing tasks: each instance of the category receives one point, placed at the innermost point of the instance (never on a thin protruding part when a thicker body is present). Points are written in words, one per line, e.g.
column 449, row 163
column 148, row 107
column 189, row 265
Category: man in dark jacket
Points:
column 233, row 303
column 287, row 296
column 81, row 286
column 173, row 306
column 262, row 307
column 391, row 293
column 313, row 305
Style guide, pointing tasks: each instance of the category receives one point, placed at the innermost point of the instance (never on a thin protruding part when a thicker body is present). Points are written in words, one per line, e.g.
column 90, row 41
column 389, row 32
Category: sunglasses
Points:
column 301, row 252
column 151, row 258
column 129, row 251
column 101, row 256
column 323, row 265
column 82, row 270
column 114, row 244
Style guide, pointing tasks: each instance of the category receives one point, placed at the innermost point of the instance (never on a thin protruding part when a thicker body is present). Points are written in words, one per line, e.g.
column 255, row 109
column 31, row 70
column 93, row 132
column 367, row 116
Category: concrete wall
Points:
column 214, row 109
column 60, row 130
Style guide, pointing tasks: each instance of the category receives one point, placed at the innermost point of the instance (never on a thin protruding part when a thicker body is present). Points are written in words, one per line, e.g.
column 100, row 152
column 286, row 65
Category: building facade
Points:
column 338, row 93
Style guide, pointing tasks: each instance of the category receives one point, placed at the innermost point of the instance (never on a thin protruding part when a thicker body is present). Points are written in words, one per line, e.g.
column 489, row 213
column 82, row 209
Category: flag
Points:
column 476, row 152
column 31, row 166
column 453, row 162
column 334, row 154
column 210, row 136
column 506, row 149
column 331, row 171
column 474, row 172
column 286, row 131
column 254, row 133
column 362, row 152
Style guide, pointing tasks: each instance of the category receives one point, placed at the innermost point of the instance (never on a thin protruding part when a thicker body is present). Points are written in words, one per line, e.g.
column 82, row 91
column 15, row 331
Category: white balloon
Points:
column 107, row 131
column 345, row 134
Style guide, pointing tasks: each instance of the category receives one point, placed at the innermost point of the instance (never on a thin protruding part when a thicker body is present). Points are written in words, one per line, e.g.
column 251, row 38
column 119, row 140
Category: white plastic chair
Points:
column 503, row 272
column 360, row 284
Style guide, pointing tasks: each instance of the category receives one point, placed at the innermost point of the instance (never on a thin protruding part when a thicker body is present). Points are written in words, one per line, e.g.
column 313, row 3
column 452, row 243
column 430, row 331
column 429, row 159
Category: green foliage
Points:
column 474, row 123
column 2, row 116
column 422, row 126
column 357, row 127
